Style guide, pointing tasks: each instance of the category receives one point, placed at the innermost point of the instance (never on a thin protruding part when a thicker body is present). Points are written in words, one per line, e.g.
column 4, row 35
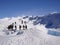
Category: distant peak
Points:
column 54, row 12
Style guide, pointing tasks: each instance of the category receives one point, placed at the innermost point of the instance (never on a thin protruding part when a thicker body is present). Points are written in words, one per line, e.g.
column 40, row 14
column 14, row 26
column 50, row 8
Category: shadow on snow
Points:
column 54, row 33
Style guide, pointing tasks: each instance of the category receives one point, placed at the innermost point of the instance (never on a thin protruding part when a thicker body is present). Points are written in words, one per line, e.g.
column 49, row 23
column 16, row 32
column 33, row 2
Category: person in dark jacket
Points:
column 15, row 22
column 19, row 27
column 22, row 22
column 15, row 27
column 25, row 26
column 10, row 27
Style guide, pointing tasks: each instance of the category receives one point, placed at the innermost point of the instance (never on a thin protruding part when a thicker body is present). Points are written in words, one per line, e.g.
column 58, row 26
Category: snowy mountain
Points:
column 50, row 20
column 37, row 32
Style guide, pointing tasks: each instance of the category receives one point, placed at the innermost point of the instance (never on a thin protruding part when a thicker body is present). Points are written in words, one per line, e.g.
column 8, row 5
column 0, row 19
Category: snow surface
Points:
column 34, row 35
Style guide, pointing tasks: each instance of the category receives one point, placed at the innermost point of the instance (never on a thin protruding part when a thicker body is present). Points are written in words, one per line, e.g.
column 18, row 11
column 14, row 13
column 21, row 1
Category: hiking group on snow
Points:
column 13, row 26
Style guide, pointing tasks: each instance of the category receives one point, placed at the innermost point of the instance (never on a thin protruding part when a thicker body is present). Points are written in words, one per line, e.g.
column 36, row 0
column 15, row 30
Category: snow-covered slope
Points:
column 34, row 35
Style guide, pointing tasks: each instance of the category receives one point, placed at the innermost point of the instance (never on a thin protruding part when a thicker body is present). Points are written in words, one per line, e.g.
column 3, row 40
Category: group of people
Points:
column 24, row 27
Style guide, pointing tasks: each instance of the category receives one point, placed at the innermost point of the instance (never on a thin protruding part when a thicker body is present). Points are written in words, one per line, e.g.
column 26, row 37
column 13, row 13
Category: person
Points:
column 25, row 22
column 10, row 27
column 15, row 27
column 15, row 22
column 22, row 22
column 19, row 27
column 25, row 26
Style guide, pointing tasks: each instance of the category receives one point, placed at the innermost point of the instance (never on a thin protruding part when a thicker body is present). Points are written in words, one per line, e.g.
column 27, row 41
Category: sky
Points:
column 13, row 8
